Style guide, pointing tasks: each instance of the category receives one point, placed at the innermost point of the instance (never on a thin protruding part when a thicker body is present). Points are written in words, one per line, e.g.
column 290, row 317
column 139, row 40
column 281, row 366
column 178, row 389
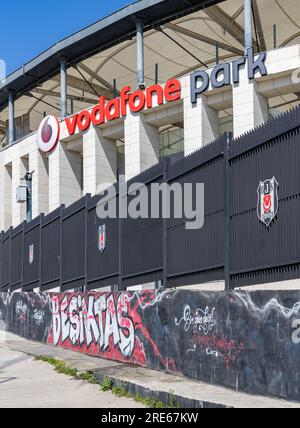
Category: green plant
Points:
column 59, row 366
column 107, row 384
column 120, row 391
column 88, row 377
column 150, row 402
column 172, row 400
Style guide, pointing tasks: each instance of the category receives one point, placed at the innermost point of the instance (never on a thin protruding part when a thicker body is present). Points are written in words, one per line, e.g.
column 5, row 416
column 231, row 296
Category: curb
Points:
column 162, row 396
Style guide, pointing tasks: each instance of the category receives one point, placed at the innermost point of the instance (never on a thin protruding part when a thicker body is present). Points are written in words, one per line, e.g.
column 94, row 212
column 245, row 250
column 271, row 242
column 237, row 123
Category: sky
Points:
column 29, row 27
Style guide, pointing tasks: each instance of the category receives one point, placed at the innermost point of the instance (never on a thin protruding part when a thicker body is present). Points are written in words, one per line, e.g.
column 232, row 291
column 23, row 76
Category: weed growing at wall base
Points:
column 153, row 403
column 59, row 366
column 107, row 384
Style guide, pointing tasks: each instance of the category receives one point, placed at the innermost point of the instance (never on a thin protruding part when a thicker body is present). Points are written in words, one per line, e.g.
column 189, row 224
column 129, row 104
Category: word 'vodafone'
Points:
column 116, row 108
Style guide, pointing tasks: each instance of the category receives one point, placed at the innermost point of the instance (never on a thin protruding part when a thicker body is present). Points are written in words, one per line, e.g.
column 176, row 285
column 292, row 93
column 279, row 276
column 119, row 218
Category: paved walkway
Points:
column 43, row 387
column 25, row 383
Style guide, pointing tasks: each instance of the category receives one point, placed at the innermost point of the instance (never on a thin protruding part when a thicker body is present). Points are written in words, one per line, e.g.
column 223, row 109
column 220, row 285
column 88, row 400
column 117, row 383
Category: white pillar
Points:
column 248, row 24
column 201, row 122
column 19, row 169
column 250, row 108
column 141, row 145
column 11, row 117
column 140, row 53
column 64, row 177
column 99, row 160
column 63, row 87
column 38, row 162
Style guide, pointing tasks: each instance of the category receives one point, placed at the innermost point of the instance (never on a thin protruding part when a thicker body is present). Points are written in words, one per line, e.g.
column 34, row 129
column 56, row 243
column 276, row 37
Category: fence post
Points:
column 228, row 138
column 165, row 228
column 120, row 286
column 9, row 264
column 23, row 254
column 62, row 207
column 42, row 216
column 1, row 253
column 87, row 199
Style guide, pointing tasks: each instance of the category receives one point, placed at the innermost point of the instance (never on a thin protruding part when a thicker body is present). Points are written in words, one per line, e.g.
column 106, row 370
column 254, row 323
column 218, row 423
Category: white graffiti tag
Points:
column 202, row 322
column 38, row 316
column 21, row 310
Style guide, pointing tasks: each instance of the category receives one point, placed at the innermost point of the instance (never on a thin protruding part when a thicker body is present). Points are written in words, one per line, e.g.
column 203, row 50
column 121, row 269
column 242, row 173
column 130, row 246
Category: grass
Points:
column 107, row 384
column 59, row 366
column 88, row 377
column 62, row 368
column 121, row 391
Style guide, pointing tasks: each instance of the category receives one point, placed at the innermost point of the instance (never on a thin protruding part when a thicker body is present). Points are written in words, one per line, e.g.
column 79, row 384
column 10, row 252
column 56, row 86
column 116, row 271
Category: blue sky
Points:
column 29, row 27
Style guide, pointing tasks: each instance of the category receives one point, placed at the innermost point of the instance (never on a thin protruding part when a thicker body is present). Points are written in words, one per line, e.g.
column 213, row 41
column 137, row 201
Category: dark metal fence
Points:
column 62, row 249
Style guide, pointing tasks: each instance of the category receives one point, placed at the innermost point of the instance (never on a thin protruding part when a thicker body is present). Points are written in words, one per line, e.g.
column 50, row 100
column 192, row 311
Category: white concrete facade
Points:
column 83, row 162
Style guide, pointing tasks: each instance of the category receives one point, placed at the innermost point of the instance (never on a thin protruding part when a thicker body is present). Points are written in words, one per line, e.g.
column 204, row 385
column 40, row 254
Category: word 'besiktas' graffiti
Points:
column 89, row 320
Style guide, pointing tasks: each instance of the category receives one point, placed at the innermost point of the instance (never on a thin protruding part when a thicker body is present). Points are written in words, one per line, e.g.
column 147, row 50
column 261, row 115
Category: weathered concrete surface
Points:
column 25, row 383
column 81, row 394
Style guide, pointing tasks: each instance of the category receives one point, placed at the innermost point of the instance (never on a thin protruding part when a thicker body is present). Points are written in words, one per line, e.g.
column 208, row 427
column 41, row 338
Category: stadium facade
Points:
column 157, row 78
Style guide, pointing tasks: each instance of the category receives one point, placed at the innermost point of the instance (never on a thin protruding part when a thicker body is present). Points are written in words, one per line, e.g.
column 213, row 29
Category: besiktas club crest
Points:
column 267, row 206
column 102, row 238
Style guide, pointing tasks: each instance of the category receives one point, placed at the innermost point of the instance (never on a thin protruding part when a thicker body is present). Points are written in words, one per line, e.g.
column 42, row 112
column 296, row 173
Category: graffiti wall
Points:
column 248, row 342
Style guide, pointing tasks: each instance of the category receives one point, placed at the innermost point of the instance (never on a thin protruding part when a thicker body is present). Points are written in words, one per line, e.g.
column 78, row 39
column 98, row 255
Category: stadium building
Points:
column 161, row 92
column 148, row 43
column 158, row 78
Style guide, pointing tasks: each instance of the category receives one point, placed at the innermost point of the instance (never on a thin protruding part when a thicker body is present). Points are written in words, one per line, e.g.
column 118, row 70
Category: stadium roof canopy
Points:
column 180, row 36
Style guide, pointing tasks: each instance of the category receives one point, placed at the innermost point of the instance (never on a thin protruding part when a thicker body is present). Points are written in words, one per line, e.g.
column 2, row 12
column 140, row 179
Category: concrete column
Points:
column 201, row 122
column 250, row 108
column 248, row 24
column 38, row 162
column 64, row 177
column 140, row 54
column 11, row 117
column 99, row 160
column 141, row 145
column 63, row 85
column 19, row 169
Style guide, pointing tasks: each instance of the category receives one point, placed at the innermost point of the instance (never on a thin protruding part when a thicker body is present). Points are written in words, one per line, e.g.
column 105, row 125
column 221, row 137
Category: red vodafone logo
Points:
column 48, row 134
column 118, row 107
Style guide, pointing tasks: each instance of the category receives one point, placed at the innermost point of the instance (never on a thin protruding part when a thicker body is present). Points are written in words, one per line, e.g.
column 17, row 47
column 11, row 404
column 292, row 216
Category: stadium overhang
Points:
column 180, row 36
column 100, row 36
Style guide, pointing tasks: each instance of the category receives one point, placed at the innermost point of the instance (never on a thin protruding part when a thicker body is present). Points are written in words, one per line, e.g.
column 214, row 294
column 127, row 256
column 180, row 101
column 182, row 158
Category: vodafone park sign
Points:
column 106, row 111
column 49, row 129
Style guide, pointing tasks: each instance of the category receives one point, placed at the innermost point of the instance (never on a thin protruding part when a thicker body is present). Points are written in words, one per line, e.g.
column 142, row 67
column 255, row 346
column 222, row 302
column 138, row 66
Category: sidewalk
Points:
column 146, row 382
column 27, row 383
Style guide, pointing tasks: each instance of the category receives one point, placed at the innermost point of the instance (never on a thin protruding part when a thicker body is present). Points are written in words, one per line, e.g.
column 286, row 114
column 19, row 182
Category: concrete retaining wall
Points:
column 246, row 341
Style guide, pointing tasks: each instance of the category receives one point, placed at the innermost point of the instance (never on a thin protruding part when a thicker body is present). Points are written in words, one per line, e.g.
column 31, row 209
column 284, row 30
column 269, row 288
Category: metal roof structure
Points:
column 180, row 36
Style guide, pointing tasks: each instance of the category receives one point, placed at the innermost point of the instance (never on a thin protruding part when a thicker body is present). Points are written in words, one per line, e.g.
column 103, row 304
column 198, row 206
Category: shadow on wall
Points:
column 245, row 341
